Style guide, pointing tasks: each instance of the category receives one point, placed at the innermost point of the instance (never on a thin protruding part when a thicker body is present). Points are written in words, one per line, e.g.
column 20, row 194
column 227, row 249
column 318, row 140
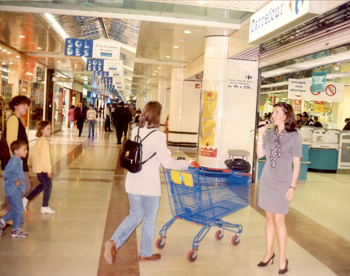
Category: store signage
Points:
column 108, row 74
column 208, row 124
column 318, row 81
column 297, row 106
column 302, row 89
column 62, row 80
column 104, row 65
column 278, row 16
column 92, row 48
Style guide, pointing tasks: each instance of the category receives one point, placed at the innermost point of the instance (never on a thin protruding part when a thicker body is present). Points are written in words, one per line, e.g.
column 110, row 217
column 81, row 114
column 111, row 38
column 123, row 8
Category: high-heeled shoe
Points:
column 282, row 271
column 270, row 260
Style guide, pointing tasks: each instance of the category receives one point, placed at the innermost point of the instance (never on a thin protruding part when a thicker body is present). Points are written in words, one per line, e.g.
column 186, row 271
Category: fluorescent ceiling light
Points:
column 187, row 32
column 56, row 25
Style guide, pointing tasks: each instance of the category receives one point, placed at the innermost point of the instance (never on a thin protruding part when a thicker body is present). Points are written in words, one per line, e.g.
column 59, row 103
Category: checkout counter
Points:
column 323, row 153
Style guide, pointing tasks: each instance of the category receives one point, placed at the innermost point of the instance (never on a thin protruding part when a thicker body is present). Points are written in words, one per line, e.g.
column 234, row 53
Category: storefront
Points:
column 22, row 75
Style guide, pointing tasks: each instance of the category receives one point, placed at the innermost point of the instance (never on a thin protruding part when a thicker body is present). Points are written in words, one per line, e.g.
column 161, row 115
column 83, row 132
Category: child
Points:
column 42, row 167
column 14, row 187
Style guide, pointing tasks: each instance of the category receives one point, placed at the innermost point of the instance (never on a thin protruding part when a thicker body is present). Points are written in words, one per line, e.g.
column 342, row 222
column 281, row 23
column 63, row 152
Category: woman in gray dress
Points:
column 282, row 148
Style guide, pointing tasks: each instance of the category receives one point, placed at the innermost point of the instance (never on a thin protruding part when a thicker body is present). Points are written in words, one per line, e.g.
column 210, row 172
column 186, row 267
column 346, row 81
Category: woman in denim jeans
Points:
column 143, row 188
column 42, row 167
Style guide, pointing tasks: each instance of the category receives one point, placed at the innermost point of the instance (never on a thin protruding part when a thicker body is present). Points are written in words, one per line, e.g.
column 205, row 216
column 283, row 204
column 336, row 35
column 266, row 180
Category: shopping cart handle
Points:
column 200, row 168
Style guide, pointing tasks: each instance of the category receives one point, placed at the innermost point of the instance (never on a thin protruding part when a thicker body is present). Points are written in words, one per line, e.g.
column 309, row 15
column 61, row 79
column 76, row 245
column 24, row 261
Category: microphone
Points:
column 268, row 122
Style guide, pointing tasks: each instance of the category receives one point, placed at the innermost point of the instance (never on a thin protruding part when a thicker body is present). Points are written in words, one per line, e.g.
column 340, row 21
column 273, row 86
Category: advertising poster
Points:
column 104, row 65
column 302, row 90
column 92, row 48
column 106, row 49
column 208, row 123
column 297, row 106
column 319, row 81
column 78, row 47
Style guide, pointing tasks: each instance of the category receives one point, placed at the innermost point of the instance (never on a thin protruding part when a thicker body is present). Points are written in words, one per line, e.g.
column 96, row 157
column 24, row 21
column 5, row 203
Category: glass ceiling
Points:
column 173, row 9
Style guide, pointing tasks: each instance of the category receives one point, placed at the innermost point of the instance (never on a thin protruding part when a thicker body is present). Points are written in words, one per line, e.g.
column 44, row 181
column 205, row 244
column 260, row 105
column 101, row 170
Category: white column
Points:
column 154, row 93
column 162, row 99
column 175, row 103
column 228, row 104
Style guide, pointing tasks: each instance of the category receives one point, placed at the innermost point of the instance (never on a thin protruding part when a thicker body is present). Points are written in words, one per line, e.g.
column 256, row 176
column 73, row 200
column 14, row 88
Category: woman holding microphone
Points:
column 282, row 148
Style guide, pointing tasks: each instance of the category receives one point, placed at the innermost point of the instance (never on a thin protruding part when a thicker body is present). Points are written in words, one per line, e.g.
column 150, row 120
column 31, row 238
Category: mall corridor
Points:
column 90, row 201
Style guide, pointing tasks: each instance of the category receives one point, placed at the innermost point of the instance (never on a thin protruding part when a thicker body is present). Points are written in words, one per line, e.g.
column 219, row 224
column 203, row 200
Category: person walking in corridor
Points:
column 80, row 115
column 71, row 117
column 144, row 188
column 282, row 148
column 15, row 130
column 90, row 117
column 42, row 166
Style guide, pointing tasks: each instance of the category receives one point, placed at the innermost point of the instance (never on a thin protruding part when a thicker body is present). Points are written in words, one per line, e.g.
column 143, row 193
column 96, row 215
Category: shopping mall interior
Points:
column 217, row 68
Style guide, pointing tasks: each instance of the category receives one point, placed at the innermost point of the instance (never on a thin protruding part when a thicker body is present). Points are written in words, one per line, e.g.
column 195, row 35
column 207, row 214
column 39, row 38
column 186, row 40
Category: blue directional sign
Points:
column 78, row 47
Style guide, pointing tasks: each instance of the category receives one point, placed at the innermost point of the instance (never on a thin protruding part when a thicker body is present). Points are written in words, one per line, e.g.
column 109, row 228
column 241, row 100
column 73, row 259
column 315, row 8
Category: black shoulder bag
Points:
column 131, row 157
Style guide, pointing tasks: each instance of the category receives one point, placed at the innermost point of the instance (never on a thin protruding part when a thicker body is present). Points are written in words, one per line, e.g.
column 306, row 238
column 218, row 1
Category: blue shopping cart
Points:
column 204, row 196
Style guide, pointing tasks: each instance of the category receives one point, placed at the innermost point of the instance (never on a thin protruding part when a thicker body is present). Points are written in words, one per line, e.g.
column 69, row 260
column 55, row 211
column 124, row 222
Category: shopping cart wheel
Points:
column 235, row 240
column 192, row 256
column 219, row 234
column 160, row 243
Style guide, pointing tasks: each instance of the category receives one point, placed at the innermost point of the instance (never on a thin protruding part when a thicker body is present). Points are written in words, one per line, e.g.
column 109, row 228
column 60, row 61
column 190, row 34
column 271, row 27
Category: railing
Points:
column 182, row 144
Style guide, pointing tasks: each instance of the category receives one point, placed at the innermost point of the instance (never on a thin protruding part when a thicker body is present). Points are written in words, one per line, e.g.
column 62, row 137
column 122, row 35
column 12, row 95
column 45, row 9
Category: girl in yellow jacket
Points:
column 42, row 167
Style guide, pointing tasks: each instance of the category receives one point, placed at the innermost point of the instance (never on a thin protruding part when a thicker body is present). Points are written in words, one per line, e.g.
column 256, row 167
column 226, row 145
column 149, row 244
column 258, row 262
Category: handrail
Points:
column 182, row 144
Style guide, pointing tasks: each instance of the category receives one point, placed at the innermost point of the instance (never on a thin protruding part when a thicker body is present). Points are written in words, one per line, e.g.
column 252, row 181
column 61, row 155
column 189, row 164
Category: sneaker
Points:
column 2, row 226
column 47, row 210
column 19, row 233
column 25, row 203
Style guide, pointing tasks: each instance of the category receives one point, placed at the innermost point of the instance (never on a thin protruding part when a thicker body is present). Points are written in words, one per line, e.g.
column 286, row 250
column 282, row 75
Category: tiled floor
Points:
column 90, row 201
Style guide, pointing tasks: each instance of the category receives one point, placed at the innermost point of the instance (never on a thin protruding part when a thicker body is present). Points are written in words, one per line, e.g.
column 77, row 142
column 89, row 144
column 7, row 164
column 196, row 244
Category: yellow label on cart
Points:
column 183, row 178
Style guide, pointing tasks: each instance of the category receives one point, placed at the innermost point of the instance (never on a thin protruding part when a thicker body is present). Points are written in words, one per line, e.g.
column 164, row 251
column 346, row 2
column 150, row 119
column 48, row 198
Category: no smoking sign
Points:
column 331, row 90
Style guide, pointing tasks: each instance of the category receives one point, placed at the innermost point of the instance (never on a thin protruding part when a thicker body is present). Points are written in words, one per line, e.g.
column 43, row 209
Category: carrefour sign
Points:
column 278, row 16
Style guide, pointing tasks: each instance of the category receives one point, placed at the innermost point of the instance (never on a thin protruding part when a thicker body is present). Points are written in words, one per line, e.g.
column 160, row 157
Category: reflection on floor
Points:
column 90, row 201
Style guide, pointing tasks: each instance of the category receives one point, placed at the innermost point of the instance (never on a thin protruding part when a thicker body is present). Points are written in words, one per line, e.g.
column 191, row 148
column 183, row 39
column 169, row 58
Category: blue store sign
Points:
column 318, row 81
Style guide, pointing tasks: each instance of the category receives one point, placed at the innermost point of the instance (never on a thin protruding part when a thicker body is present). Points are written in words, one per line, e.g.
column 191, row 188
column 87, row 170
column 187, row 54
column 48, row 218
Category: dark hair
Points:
column 316, row 118
column 72, row 106
column 15, row 145
column 91, row 105
column 151, row 115
column 17, row 101
column 40, row 127
column 300, row 122
column 289, row 123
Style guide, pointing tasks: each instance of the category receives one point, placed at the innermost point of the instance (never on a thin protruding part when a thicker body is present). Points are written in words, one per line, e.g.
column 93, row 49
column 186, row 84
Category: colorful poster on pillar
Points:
column 208, row 123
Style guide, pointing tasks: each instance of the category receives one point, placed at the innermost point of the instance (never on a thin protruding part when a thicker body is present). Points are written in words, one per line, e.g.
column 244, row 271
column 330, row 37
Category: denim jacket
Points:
column 12, row 172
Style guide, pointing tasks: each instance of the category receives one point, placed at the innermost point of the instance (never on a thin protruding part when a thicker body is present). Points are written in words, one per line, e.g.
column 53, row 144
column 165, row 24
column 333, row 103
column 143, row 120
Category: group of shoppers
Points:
column 16, row 179
column 281, row 146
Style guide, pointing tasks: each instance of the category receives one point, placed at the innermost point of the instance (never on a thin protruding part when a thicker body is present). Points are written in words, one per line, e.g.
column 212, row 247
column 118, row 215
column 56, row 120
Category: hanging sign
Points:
column 92, row 48
column 297, row 106
column 302, row 89
column 104, row 65
column 318, row 81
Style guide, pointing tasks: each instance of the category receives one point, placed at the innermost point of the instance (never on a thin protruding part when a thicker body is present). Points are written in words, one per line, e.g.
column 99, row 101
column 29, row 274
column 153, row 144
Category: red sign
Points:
column 208, row 152
column 318, row 102
column 314, row 93
column 331, row 90
column 197, row 86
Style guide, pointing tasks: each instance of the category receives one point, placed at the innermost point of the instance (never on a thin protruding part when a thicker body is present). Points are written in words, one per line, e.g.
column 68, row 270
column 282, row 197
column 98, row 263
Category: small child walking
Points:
column 42, row 167
column 14, row 187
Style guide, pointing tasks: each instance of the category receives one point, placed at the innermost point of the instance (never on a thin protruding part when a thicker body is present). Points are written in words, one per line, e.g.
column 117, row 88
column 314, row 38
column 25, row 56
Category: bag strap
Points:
column 143, row 140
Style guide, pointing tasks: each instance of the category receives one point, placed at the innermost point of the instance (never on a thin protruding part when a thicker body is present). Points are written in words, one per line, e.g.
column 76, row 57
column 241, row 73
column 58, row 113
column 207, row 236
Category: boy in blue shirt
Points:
column 14, row 187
